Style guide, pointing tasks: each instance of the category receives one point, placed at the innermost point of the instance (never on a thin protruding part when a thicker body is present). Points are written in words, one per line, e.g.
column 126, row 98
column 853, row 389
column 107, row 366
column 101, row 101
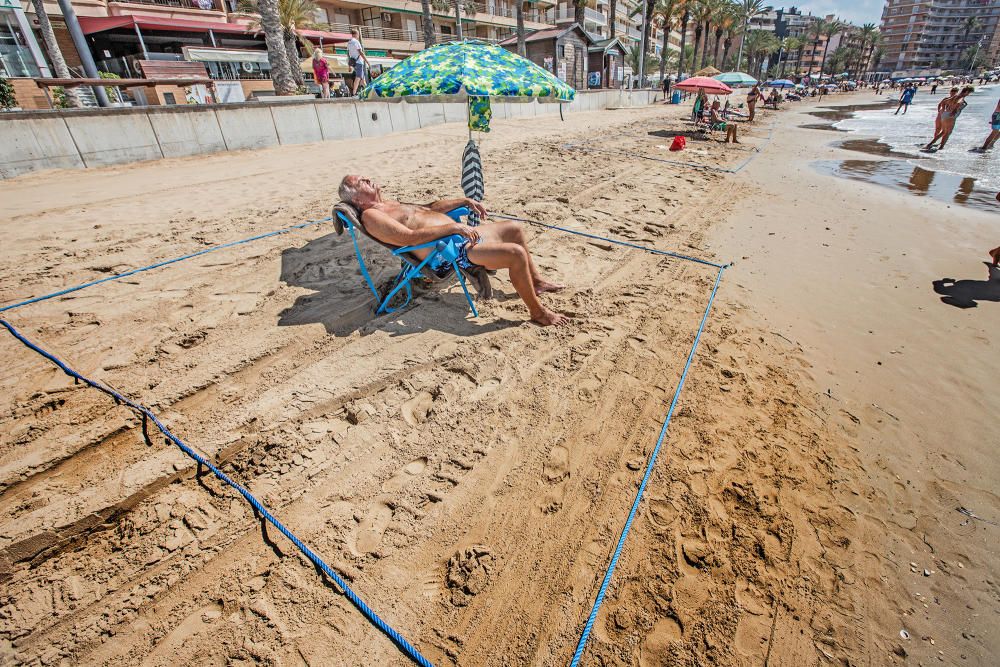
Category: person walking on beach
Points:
column 752, row 98
column 941, row 112
column 934, row 87
column 321, row 71
column 951, row 110
column 905, row 99
column 665, row 84
column 994, row 129
column 357, row 60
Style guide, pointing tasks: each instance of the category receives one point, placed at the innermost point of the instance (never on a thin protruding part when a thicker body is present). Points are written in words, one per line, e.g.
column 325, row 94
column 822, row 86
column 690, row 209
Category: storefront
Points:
column 20, row 55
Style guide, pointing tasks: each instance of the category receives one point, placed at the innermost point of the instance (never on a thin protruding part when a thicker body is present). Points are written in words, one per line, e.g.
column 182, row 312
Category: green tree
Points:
column 428, row 23
column 292, row 15
column 867, row 33
column 663, row 16
column 747, row 11
column 789, row 44
column 277, row 54
column 830, row 28
column 7, row 98
column 683, row 7
column 55, row 53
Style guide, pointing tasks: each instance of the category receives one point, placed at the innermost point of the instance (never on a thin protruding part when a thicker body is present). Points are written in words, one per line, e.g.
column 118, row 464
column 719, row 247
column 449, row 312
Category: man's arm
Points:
column 445, row 205
column 388, row 230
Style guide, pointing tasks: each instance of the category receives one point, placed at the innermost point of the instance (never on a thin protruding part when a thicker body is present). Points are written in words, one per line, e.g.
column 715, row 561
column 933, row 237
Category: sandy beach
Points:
column 469, row 477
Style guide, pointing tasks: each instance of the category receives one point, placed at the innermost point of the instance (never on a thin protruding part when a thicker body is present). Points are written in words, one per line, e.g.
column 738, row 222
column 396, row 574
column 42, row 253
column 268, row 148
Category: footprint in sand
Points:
column 416, row 409
column 410, row 470
column 555, row 472
column 371, row 529
column 656, row 648
column 484, row 389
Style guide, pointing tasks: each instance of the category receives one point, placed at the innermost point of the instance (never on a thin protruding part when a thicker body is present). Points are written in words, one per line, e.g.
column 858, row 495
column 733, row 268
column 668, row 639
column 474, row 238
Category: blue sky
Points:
column 855, row 11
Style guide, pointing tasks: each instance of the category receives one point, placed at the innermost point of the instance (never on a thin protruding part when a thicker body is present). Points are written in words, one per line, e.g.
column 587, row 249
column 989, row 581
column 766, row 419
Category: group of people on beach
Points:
column 357, row 61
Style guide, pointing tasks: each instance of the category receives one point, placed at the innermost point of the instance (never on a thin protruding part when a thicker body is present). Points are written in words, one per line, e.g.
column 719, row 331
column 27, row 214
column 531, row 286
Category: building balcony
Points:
column 204, row 10
column 484, row 12
column 566, row 15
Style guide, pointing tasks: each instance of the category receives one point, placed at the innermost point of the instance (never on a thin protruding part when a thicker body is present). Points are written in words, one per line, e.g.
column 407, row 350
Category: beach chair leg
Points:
column 468, row 297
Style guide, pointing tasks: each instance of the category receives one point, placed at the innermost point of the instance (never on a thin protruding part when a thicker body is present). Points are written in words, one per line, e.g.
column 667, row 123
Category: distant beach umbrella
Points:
column 736, row 79
column 707, row 71
column 780, row 83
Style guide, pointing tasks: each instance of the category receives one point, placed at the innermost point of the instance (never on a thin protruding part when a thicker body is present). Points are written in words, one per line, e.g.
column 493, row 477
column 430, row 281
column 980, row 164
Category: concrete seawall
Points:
column 80, row 138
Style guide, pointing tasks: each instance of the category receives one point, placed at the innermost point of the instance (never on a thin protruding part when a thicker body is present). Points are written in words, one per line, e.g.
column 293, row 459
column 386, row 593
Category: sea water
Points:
column 906, row 134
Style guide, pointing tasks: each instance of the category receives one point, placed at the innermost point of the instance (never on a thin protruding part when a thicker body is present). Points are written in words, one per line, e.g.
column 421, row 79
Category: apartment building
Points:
column 936, row 35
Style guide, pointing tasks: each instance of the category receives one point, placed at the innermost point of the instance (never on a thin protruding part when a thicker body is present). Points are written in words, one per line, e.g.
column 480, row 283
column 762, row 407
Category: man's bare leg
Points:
column 515, row 259
column 995, row 254
column 513, row 232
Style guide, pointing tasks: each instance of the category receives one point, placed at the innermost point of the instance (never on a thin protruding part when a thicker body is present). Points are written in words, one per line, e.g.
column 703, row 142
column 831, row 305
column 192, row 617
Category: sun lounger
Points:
column 444, row 252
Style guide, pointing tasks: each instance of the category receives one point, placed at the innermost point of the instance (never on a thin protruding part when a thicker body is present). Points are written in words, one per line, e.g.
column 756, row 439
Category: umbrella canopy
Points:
column 710, row 86
column 470, row 68
column 707, row 71
column 781, row 83
column 735, row 79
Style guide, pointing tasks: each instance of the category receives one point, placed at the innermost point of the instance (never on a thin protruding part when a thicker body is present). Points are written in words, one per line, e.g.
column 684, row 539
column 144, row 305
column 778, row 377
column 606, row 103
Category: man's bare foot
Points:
column 547, row 318
column 995, row 254
column 543, row 286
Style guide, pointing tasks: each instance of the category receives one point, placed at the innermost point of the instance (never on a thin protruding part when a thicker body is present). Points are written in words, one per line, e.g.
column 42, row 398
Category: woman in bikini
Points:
column 950, row 109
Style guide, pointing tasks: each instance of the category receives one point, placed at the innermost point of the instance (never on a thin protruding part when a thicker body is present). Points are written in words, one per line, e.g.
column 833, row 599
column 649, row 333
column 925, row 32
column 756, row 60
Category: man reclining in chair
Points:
column 495, row 245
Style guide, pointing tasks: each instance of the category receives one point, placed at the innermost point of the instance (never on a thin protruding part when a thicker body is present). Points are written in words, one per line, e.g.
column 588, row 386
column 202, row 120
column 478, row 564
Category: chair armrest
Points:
column 457, row 214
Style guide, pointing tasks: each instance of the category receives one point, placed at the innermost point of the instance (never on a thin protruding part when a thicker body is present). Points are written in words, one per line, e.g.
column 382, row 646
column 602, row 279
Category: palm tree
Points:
column 700, row 14
column 867, row 32
column 613, row 10
column 790, row 44
column 830, row 29
column 578, row 11
column 55, row 53
column 747, row 11
column 425, row 11
column 816, row 30
column 759, row 43
column 277, row 54
column 684, row 7
column 291, row 15
column 663, row 14
column 725, row 19
column 522, row 47
column 633, row 58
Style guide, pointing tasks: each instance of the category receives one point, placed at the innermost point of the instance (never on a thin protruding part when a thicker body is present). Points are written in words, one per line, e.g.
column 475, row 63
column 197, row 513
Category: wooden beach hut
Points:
column 564, row 51
column 606, row 56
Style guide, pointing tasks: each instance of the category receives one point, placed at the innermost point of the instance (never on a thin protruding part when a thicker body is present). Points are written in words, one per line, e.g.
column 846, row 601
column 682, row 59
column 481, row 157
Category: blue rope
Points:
column 653, row 251
column 77, row 288
column 642, row 486
column 262, row 511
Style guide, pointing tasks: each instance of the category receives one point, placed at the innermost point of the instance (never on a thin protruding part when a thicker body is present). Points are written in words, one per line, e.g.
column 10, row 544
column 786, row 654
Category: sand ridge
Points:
column 469, row 477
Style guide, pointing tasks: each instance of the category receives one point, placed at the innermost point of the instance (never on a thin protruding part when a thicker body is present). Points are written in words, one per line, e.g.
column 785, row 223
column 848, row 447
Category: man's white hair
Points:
column 348, row 189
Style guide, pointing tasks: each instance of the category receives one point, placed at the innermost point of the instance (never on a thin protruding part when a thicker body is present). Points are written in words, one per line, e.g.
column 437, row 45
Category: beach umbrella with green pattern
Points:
column 473, row 72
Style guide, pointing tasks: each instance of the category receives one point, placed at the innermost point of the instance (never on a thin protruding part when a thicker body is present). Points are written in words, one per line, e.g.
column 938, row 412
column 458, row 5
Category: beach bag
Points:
column 678, row 144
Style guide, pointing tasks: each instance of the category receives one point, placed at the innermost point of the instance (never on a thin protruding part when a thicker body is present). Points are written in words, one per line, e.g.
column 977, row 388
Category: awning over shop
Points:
column 205, row 55
column 92, row 24
column 327, row 37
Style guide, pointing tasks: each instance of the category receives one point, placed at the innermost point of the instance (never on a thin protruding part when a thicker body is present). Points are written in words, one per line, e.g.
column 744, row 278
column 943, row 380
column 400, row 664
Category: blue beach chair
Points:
column 445, row 252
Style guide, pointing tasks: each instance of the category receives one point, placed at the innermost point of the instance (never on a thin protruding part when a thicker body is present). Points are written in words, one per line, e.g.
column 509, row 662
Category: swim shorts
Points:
column 444, row 268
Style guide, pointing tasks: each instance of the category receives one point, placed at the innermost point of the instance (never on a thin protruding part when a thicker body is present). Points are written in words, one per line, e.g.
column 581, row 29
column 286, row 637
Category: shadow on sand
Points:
column 967, row 293
column 341, row 301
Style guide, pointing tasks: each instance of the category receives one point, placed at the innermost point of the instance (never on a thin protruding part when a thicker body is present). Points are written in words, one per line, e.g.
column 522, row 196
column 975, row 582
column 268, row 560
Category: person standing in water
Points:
column 952, row 109
column 994, row 129
column 905, row 99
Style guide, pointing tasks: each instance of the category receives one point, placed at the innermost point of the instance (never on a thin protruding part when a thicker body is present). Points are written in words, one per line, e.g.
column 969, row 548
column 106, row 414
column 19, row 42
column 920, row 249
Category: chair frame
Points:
column 445, row 251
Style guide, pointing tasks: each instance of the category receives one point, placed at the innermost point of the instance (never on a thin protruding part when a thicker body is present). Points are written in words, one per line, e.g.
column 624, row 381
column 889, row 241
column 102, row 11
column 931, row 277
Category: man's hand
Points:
column 476, row 207
column 470, row 234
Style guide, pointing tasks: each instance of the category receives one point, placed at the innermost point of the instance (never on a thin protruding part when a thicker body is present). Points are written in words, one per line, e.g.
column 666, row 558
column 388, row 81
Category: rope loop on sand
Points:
column 148, row 415
column 77, row 288
column 589, row 626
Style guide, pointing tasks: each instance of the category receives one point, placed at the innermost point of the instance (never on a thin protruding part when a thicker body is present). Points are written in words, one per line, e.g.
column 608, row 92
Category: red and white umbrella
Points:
column 709, row 85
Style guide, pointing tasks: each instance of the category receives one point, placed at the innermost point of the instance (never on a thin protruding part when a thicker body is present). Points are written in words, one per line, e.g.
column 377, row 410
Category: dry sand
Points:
column 470, row 476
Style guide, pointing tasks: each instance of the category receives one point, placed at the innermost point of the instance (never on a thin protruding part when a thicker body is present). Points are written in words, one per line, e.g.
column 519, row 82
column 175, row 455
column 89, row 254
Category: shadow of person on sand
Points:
column 670, row 134
column 341, row 301
column 967, row 293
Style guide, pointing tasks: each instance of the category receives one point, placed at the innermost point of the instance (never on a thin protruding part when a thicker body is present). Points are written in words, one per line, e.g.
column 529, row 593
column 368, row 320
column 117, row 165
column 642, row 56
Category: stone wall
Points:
column 38, row 140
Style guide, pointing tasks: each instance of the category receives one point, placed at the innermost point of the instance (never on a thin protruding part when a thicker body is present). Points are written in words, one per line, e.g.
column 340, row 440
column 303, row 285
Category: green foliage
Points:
column 7, row 98
column 59, row 98
column 112, row 91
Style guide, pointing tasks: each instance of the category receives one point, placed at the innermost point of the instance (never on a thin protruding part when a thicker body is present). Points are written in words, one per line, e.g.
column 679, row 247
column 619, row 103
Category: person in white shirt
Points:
column 357, row 61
